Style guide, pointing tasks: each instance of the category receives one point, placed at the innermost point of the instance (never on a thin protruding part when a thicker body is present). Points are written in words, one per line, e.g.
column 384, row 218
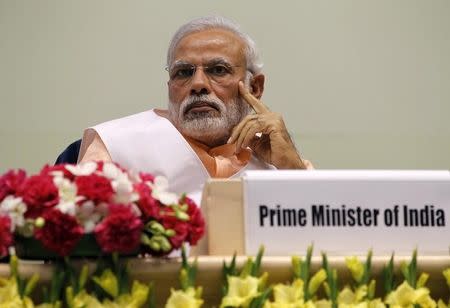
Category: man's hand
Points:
column 274, row 145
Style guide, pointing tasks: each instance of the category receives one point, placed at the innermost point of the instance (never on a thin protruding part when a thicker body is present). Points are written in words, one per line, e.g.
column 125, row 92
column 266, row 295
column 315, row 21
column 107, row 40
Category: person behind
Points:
column 215, row 125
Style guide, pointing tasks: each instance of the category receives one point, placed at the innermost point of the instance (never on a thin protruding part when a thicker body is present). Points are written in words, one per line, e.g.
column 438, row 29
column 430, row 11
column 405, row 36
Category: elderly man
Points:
column 215, row 125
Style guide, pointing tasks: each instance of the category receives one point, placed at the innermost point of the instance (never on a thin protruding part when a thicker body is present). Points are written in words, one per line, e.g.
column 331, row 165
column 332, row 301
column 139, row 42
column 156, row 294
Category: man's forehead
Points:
column 211, row 42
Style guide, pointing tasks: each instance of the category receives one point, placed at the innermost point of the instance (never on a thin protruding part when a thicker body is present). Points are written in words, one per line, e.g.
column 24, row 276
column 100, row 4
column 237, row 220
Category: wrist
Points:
column 291, row 161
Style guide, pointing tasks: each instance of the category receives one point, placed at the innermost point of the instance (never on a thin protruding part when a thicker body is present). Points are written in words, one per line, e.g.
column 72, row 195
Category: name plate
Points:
column 347, row 212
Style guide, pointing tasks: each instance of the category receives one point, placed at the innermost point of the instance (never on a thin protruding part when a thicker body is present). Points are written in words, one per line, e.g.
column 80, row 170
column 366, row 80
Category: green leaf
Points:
column 331, row 280
column 405, row 271
column 184, row 280
column 70, row 297
column 83, row 277
column 259, row 301
column 31, row 284
column 14, row 265
column 367, row 270
column 247, row 269
column 296, row 262
column 70, row 275
column 188, row 271
column 305, row 271
column 151, row 295
column 123, row 278
column 228, row 270
column 193, row 272
column 388, row 276
column 20, row 286
column 184, row 263
column 45, row 295
column 257, row 264
column 412, row 268
column 57, row 285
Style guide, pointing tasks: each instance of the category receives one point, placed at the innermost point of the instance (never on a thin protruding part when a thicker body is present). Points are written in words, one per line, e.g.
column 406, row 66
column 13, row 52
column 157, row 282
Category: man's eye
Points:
column 183, row 73
column 218, row 70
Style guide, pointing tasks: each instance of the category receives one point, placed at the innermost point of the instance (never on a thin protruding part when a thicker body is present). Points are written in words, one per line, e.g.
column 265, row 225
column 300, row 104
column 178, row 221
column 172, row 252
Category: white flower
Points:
column 121, row 184
column 134, row 176
column 135, row 209
column 124, row 190
column 15, row 208
column 111, row 171
column 68, row 208
column 89, row 214
column 67, row 194
column 57, row 173
column 159, row 191
column 86, row 168
column 67, row 189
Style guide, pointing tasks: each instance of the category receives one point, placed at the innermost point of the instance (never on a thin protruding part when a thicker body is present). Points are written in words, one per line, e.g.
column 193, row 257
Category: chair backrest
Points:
column 70, row 154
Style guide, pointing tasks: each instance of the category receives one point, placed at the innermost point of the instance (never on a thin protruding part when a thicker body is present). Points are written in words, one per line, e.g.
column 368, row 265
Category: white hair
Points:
column 217, row 22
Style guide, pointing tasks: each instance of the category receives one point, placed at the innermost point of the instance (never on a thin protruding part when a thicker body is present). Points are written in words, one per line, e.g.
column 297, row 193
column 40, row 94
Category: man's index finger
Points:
column 256, row 104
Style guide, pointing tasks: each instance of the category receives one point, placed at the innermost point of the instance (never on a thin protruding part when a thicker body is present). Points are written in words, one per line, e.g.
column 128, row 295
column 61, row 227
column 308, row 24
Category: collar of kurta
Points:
column 221, row 161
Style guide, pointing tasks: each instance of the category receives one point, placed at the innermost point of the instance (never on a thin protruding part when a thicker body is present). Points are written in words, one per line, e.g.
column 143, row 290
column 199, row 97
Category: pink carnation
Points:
column 146, row 177
column 94, row 187
column 6, row 238
column 120, row 231
column 148, row 205
column 60, row 233
column 196, row 221
column 11, row 182
column 40, row 194
column 47, row 170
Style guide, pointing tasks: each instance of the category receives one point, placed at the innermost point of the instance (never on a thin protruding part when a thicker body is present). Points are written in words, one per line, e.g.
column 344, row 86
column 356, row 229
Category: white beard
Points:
column 211, row 128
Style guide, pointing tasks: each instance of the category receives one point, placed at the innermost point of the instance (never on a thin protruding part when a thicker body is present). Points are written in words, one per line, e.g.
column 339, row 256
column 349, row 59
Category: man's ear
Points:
column 257, row 85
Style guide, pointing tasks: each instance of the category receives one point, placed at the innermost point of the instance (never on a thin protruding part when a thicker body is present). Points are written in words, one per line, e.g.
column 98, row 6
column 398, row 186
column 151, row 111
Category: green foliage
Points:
column 331, row 286
column 228, row 270
column 409, row 270
column 256, row 266
column 258, row 302
column 388, row 276
column 188, row 272
column 367, row 270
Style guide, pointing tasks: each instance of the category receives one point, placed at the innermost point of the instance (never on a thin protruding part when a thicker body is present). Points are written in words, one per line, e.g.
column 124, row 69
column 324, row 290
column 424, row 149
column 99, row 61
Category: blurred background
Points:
column 362, row 84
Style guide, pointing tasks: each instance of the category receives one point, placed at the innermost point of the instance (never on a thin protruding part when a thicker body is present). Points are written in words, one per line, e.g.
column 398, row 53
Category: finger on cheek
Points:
column 232, row 137
column 242, row 89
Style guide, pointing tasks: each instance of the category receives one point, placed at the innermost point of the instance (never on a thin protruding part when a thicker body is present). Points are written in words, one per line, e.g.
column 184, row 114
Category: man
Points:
column 215, row 125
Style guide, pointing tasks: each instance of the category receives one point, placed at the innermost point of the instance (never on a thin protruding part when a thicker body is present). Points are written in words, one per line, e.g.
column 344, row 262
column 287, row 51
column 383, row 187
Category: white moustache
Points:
column 202, row 100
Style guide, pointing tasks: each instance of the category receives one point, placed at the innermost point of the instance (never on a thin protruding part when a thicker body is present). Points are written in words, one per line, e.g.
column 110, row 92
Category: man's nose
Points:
column 200, row 83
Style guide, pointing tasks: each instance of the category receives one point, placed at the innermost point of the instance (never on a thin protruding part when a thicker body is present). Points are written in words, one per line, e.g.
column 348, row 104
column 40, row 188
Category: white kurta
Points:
column 148, row 142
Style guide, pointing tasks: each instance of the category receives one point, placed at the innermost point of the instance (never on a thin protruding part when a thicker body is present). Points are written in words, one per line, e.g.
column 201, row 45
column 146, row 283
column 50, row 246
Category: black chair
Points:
column 70, row 154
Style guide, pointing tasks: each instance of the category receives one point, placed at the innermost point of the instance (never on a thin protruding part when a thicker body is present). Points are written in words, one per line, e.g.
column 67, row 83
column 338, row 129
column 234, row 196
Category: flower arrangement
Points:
column 110, row 286
column 247, row 290
column 125, row 212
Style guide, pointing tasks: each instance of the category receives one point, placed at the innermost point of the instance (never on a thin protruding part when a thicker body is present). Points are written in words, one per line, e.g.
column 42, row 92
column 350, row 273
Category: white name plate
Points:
column 347, row 212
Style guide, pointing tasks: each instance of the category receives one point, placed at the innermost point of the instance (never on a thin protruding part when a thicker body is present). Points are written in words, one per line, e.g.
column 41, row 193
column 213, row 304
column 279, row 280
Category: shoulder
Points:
column 128, row 121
